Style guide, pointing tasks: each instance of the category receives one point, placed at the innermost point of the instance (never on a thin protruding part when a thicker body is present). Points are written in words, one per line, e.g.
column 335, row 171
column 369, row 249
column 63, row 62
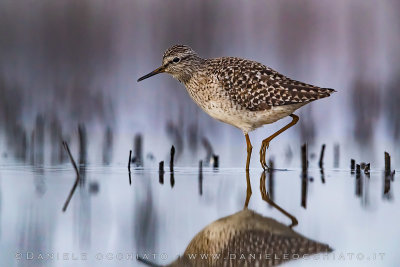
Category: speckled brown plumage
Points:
column 247, row 235
column 256, row 87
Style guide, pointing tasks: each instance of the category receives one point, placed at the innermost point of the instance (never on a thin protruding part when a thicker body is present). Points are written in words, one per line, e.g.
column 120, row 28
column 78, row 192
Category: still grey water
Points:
column 110, row 221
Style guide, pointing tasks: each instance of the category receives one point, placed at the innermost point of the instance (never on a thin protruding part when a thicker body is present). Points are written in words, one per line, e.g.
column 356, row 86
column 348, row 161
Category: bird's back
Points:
column 256, row 87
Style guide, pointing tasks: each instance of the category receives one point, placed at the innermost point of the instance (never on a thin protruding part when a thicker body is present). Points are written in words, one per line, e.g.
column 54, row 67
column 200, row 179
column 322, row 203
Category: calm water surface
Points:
column 109, row 219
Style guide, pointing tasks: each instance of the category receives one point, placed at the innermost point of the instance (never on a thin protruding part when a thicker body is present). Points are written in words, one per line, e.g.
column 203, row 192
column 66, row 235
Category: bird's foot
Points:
column 265, row 167
column 265, row 143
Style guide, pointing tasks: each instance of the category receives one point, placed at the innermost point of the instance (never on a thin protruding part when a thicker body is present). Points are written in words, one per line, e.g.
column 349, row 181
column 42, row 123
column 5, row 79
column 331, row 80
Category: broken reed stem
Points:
column 352, row 165
column 171, row 162
column 321, row 158
column 171, row 167
column 201, row 177
column 78, row 177
column 304, row 178
column 387, row 164
column 271, row 180
column 129, row 166
column 216, row 161
column 304, row 158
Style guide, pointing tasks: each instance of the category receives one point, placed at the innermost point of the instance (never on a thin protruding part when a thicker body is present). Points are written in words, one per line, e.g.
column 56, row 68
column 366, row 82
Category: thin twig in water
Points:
column 78, row 177
column 171, row 162
column 130, row 159
column 129, row 166
column 321, row 158
column 201, row 177
column 171, row 166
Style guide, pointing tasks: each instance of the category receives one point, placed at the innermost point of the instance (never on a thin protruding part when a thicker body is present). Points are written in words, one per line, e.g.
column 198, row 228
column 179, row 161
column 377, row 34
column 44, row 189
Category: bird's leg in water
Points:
column 265, row 142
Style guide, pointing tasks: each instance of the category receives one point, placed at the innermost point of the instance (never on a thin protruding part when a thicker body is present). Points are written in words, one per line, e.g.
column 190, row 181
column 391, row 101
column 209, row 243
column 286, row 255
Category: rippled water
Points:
column 109, row 218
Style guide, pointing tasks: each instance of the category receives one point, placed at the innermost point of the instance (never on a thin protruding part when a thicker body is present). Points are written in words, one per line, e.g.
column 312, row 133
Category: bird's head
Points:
column 180, row 61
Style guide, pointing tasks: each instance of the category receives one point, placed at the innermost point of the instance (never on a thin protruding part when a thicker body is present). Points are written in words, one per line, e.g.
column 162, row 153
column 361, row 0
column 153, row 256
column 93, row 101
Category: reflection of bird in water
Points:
column 247, row 238
column 240, row 92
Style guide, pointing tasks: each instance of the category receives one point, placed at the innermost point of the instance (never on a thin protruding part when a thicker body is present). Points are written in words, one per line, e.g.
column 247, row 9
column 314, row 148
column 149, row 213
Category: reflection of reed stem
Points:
column 129, row 166
column 78, row 177
column 358, row 169
column 161, row 172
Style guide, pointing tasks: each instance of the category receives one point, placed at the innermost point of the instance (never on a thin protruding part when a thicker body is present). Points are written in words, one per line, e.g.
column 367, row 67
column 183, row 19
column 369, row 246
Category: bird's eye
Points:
column 176, row 60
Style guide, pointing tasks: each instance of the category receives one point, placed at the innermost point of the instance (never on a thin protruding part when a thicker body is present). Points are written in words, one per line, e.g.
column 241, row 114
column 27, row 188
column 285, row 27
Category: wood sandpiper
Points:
column 247, row 233
column 240, row 92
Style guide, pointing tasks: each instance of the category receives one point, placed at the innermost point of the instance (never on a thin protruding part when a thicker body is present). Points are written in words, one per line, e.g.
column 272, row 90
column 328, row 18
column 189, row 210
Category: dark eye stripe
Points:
column 172, row 61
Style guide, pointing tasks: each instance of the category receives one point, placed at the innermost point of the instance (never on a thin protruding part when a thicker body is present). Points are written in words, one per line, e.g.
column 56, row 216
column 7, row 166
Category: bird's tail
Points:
column 325, row 92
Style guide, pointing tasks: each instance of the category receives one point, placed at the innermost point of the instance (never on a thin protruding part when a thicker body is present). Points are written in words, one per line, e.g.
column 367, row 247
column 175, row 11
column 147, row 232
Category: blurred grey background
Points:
column 68, row 71
column 76, row 62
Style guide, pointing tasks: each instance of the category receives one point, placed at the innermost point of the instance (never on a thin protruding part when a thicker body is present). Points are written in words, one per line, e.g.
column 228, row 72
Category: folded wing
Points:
column 257, row 87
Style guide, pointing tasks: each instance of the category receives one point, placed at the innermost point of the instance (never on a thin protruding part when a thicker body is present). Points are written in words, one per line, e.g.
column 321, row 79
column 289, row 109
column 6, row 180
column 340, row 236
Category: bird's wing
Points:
column 257, row 87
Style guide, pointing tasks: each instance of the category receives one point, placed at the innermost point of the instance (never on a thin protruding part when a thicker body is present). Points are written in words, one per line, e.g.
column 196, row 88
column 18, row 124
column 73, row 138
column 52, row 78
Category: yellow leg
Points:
column 265, row 197
column 249, row 149
column 265, row 142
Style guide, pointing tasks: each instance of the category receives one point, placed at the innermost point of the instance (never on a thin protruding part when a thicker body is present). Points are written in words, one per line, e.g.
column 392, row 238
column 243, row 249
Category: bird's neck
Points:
column 189, row 72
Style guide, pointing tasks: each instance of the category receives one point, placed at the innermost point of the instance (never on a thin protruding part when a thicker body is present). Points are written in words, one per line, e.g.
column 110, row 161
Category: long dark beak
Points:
column 154, row 72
